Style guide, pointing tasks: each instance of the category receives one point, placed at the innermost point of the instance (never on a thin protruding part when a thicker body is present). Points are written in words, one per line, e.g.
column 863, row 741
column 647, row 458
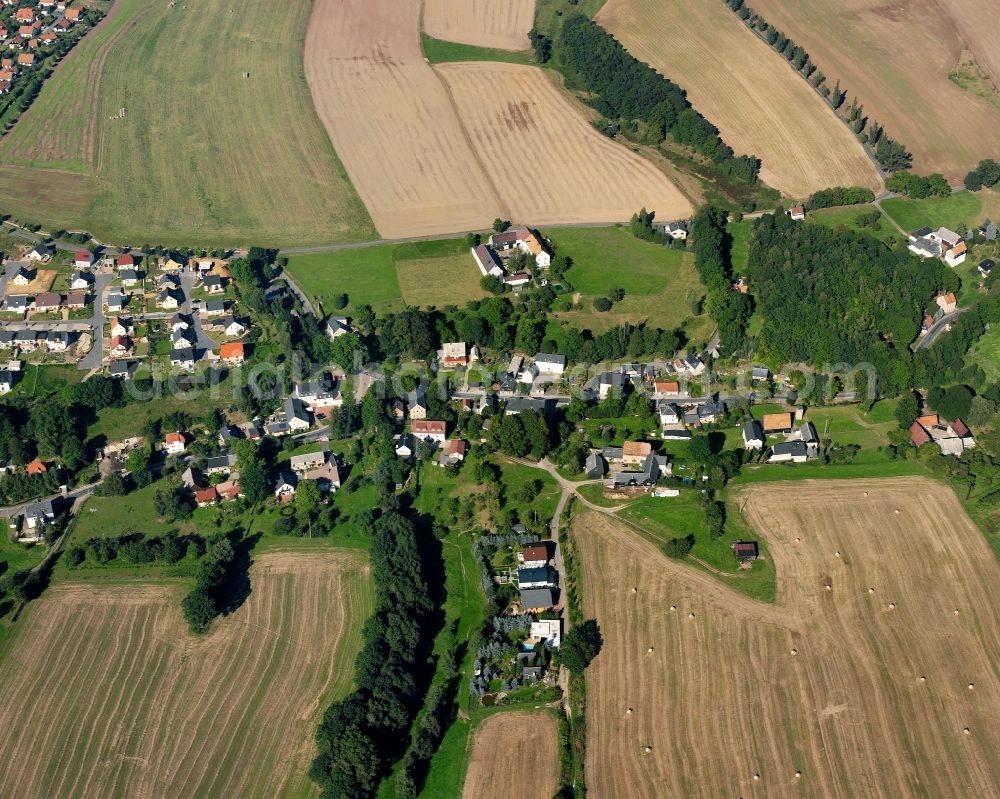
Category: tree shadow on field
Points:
column 237, row 586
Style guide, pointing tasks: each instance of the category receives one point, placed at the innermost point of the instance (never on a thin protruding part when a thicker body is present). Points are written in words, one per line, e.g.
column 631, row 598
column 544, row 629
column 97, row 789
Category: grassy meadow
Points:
column 219, row 143
column 391, row 276
column 660, row 284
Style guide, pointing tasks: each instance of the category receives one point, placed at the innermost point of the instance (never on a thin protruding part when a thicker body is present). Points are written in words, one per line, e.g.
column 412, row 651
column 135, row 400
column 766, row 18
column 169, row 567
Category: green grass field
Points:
column 438, row 51
column 845, row 424
column 848, row 216
column 203, row 154
column 962, row 208
column 664, row 518
column 660, row 284
column 740, row 233
column 986, row 352
column 390, row 276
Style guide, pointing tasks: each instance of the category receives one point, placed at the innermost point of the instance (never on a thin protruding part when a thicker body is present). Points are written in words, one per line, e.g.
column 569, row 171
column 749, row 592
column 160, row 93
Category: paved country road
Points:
column 937, row 329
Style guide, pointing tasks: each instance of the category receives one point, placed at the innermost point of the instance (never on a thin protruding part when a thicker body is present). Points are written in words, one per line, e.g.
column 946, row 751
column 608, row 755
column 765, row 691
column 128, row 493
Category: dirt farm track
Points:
column 104, row 693
column 448, row 150
column 515, row 755
column 875, row 675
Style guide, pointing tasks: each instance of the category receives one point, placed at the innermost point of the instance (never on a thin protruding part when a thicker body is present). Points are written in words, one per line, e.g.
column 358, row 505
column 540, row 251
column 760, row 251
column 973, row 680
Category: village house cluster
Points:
column 29, row 32
column 117, row 311
column 494, row 258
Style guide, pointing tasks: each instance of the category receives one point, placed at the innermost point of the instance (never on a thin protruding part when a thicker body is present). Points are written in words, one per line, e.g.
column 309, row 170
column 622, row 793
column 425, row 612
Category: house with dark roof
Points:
column 537, row 599
column 745, row 551
column 595, row 467
column 295, row 414
column 536, row 577
column 488, row 261
column 986, row 267
column 753, row 435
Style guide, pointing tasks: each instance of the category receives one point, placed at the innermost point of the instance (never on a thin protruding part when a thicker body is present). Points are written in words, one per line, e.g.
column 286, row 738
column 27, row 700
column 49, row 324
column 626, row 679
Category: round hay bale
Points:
column 923, row 678
column 798, row 774
column 649, row 651
column 797, row 540
column 648, row 749
column 828, row 587
column 956, row 611
column 966, row 731
column 673, row 608
column 690, row 615
column 896, row 510
column 871, row 590
column 635, row 590
column 972, row 685
column 628, row 712
column 756, row 776
column 892, row 606
column 795, row 651
column 866, row 493
column 837, row 553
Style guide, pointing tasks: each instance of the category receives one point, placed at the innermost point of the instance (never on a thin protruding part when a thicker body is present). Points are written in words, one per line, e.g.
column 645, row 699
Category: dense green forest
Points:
column 627, row 90
column 840, row 297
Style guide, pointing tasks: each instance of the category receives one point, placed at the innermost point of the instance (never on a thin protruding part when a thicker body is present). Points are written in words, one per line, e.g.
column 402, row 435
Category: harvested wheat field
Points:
column 105, row 693
column 746, row 89
column 449, row 150
column 551, row 164
column 907, row 88
column 391, row 119
column 515, row 755
column 874, row 675
column 503, row 24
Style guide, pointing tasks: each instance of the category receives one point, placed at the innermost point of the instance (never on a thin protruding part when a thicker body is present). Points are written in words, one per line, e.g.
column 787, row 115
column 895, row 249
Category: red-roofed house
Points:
column 918, row 436
column 84, row 259
column 36, row 467
column 26, row 59
column 174, row 444
column 25, row 15
column 534, row 556
column 229, row 490
column 233, row 353
column 429, row 430
column 797, row 213
column 120, row 346
column 206, row 496
column 73, row 14
column 125, row 261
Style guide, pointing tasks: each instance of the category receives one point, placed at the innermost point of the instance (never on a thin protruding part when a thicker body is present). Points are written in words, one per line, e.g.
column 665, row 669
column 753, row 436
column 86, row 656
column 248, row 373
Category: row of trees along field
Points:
column 730, row 310
column 832, row 297
column 362, row 735
column 629, row 91
column 890, row 154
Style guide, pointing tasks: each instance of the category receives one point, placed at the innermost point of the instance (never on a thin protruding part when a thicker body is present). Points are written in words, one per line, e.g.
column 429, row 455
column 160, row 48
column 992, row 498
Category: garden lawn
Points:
column 963, row 208
column 740, row 239
column 105, row 517
column 848, row 215
column 660, row 284
column 986, row 353
column 845, row 424
column 367, row 276
column 541, row 509
column 664, row 518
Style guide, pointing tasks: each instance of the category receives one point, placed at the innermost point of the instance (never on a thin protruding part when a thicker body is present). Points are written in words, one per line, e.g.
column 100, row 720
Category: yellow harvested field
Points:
column 104, row 692
column 907, row 88
column 449, row 150
column 747, row 90
column 515, row 755
column 874, row 675
column 391, row 121
column 551, row 165
column 502, row 24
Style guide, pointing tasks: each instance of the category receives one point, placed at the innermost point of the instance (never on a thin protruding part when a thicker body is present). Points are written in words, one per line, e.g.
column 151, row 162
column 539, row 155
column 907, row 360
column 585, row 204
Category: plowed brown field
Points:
column 104, row 693
column 502, row 24
column 896, row 58
column 885, row 684
column 551, row 164
column 746, row 89
column 514, row 756
column 428, row 154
